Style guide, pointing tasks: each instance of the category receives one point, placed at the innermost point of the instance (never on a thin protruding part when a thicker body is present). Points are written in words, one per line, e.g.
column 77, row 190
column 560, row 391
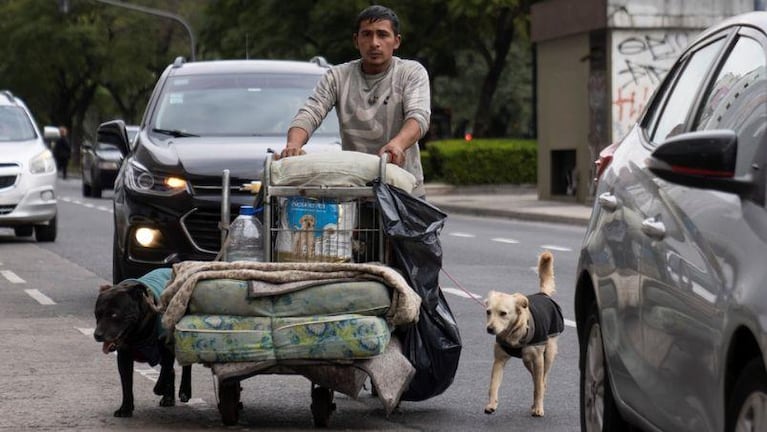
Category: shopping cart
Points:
column 308, row 224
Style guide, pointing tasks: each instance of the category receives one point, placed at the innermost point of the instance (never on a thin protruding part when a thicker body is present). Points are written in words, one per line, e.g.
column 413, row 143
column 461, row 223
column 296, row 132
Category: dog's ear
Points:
column 521, row 301
column 104, row 287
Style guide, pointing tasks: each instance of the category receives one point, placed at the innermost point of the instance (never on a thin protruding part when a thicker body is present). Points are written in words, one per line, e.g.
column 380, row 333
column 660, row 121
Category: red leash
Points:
column 473, row 296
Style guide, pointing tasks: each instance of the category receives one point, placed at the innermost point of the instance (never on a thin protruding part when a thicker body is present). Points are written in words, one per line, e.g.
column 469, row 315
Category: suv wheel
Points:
column 23, row 231
column 118, row 273
column 598, row 410
column 96, row 185
column 747, row 407
column 46, row 233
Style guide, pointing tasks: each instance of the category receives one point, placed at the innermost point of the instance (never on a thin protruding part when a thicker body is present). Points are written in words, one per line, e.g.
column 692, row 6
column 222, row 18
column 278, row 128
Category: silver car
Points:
column 27, row 173
column 671, row 294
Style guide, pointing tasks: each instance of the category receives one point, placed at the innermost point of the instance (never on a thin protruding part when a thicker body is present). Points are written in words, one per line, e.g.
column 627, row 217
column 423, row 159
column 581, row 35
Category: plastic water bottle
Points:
column 246, row 242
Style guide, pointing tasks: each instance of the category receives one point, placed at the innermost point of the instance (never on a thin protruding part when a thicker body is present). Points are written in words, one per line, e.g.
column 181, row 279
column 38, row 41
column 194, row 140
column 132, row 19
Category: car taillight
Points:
column 605, row 157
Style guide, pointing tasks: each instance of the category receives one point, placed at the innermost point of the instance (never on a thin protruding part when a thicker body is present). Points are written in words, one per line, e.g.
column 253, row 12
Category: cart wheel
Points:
column 322, row 406
column 229, row 401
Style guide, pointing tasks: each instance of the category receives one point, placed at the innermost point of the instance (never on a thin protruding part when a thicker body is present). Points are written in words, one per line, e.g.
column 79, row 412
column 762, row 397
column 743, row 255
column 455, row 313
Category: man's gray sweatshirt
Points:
column 371, row 109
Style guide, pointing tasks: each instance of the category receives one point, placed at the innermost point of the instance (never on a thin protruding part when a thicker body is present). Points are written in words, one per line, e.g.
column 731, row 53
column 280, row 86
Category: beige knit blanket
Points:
column 175, row 298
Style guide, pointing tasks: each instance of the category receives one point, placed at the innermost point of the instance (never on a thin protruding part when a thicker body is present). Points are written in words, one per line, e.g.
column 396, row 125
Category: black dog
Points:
column 128, row 320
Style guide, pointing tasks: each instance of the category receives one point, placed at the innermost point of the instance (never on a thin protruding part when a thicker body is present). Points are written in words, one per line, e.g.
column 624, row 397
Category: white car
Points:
column 27, row 172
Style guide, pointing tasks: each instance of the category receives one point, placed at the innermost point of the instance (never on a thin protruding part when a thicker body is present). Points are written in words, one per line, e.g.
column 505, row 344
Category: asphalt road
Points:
column 58, row 379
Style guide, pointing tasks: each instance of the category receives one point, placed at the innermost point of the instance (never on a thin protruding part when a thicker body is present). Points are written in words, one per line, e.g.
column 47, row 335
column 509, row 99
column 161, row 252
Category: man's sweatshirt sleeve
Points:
column 417, row 97
column 310, row 116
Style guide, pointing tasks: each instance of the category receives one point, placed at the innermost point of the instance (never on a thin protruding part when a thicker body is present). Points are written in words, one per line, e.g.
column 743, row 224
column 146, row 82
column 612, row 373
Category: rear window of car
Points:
column 236, row 104
column 15, row 124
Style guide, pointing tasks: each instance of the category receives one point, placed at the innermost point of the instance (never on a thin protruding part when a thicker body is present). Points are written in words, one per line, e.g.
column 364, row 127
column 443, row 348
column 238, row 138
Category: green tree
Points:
column 448, row 37
column 65, row 64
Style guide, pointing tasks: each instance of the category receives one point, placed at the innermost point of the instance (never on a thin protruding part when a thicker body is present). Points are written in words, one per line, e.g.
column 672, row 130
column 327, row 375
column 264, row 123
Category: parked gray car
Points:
column 100, row 162
column 671, row 295
column 27, row 173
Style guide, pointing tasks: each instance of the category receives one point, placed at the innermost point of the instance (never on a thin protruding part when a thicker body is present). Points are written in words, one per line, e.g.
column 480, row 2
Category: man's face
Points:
column 376, row 42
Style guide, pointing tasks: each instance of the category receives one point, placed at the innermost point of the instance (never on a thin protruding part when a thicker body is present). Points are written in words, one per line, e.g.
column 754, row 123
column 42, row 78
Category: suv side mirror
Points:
column 701, row 159
column 114, row 132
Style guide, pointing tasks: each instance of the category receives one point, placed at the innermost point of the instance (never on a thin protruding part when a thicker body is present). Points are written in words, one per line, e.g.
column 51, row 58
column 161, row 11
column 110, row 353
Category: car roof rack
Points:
column 320, row 61
column 179, row 62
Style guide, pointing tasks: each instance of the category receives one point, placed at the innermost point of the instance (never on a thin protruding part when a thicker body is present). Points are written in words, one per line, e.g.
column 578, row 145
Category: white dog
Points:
column 526, row 327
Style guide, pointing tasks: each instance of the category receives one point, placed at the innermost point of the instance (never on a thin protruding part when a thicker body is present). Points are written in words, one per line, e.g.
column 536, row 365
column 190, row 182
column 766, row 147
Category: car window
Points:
column 236, row 104
column 15, row 125
column 738, row 100
column 106, row 147
column 674, row 115
column 132, row 132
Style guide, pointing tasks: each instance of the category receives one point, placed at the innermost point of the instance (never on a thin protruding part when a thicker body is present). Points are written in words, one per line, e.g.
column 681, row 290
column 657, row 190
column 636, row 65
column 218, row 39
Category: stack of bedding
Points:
column 331, row 320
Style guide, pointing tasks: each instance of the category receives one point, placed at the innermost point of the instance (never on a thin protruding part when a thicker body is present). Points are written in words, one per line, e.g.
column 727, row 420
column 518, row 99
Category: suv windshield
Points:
column 254, row 104
column 15, row 125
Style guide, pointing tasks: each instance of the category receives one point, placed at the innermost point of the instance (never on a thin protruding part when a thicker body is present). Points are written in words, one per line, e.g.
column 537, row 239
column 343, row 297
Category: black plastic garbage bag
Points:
column 433, row 345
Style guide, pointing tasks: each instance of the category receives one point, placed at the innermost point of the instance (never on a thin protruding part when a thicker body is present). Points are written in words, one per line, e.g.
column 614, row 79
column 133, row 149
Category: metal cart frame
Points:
column 229, row 389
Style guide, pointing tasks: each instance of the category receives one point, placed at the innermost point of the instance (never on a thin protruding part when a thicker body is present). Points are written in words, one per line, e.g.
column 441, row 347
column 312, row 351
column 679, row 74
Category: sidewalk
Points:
column 513, row 202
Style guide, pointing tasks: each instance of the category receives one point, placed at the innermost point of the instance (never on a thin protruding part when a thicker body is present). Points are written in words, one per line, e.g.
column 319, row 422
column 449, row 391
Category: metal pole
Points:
column 156, row 12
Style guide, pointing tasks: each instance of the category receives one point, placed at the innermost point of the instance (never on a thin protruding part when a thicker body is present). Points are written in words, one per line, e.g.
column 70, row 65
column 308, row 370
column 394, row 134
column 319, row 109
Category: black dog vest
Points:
column 547, row 321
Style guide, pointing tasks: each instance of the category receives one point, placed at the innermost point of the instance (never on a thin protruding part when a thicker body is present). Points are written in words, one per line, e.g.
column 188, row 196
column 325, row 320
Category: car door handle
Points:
column 654, row 228
column 608, row 201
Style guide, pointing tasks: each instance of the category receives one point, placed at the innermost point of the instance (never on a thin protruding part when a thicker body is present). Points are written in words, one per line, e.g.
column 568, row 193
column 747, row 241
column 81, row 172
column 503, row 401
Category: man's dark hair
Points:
column 377, row 13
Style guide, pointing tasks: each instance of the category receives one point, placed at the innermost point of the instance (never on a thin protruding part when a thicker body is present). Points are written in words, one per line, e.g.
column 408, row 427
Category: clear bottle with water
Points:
column 246, row 241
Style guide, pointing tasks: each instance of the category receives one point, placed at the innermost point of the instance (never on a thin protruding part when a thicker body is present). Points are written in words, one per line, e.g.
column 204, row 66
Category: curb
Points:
column 516, row 215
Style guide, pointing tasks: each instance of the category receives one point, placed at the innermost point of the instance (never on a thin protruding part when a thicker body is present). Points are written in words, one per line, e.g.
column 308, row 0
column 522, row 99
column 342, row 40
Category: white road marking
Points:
column 40, row 297
column 85, row 331
column 460, row 234
column 505, row 240
column 556, row 248
column 150, row 374
column 197, row 403
column 86, row 204
column 461, row 293
column 12, row 277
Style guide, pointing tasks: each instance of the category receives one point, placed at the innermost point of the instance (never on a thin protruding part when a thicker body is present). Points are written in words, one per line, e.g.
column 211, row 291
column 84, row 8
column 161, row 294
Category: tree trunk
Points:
column 504, row 35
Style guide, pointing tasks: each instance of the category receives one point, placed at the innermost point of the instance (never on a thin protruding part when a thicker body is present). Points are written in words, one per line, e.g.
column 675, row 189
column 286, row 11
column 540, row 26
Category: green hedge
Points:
column 481, row 161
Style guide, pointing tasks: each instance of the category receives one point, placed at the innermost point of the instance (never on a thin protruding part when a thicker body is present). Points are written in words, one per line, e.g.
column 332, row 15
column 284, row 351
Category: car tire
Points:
column 46, row 233
column 86, row 189
column 23, row 231
column 96, row 185
column 746, row 405
column 118, row 273
column 598, row 410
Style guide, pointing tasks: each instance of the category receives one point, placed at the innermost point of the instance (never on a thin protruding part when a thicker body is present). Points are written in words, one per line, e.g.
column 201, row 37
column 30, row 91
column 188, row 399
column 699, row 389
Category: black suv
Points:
column 202, row 118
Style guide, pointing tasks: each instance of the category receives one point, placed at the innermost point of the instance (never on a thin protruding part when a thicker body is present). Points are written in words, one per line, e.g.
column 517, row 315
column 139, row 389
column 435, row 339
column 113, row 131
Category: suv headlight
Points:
column 43, row 163
column 140, row 179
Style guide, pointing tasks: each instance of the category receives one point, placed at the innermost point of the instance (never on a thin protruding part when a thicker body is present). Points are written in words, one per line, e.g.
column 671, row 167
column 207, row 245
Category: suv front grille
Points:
column 201, row 227
column 6, row 209
column 200, row 187
column 7, row 181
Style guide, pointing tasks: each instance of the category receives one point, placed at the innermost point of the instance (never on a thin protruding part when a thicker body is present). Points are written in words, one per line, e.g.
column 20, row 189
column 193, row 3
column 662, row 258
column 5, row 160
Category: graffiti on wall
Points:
column 640, row 60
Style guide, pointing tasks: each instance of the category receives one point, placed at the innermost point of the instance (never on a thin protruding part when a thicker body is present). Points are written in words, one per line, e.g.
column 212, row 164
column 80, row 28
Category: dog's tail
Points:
column 546, row 273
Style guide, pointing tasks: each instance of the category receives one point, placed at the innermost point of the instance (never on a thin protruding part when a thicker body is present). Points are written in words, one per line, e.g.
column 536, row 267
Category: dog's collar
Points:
column 523, row 341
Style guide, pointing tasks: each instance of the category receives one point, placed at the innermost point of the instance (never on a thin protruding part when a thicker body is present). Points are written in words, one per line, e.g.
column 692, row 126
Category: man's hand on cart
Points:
column 288, row 152
column 297, row 137
column 396, row 154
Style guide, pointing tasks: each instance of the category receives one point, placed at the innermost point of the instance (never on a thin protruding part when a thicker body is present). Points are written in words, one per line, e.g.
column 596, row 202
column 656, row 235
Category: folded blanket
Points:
column 175, row 298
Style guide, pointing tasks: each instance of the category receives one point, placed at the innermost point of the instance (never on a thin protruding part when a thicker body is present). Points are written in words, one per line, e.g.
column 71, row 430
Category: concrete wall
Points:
column 639, row 59
column 563, row 111
column 642, row 39
column 692, row 14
